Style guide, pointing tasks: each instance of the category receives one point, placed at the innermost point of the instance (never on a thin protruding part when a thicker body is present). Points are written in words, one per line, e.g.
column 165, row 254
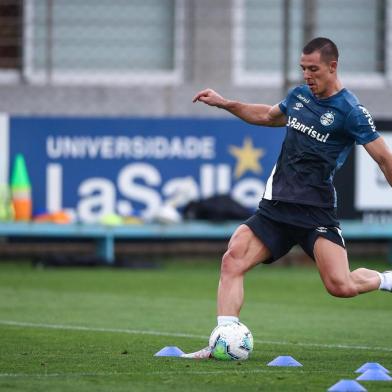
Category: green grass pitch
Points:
column 98, row 330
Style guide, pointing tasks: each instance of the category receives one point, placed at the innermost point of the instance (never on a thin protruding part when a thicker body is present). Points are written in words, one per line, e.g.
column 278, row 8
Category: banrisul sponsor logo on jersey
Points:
column 369, row 117
column 294, row 123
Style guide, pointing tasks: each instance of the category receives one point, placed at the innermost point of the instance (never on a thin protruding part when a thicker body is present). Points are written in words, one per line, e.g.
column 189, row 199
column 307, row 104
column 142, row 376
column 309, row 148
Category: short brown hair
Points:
column 327, row 48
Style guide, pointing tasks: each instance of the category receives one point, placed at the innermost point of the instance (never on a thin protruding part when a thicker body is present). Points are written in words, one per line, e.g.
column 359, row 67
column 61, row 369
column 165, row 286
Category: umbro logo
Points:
column 298, row 106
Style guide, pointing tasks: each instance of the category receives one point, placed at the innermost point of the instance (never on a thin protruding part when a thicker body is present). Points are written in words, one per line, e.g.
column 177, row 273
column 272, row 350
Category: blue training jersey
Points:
column 320, row 133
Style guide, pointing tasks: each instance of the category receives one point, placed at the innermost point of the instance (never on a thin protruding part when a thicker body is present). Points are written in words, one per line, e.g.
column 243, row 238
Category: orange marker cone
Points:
column 21, row 190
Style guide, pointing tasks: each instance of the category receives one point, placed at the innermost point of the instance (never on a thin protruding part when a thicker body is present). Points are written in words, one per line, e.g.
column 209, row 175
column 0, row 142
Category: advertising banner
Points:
column 372, row 191
column 91, row 167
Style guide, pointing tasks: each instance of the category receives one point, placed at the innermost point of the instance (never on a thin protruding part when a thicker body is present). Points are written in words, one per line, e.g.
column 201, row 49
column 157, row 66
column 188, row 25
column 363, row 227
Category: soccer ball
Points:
column 231, row 341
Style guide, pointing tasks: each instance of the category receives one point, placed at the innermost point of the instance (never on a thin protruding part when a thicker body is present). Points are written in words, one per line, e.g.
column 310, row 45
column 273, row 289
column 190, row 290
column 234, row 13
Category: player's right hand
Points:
column 209, row 97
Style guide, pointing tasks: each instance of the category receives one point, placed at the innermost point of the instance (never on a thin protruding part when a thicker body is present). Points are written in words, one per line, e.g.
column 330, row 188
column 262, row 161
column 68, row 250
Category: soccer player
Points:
column 323, row 121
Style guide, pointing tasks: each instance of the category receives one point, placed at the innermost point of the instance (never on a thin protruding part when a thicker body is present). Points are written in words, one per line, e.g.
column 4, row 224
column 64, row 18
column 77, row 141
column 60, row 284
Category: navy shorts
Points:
column 280, row 237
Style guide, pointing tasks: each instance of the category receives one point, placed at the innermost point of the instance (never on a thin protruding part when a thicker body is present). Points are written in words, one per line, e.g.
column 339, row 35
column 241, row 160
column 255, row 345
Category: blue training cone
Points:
column 347, row 386
column 169, row 351
column 371, row 365
column 284, row 360
column 374, row 375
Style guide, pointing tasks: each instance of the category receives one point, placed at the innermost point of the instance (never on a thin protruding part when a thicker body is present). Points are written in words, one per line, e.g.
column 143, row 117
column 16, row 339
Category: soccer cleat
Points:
column 204, row 353
column 387, row 281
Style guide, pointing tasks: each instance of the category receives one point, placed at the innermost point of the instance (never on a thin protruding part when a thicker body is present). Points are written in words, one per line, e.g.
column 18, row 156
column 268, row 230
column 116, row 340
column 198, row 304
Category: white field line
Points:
column 181, row 335
column 172, row 372
column 110, row 374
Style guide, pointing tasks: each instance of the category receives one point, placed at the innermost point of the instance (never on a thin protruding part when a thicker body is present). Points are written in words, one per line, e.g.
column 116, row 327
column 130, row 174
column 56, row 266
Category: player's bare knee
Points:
column 341, row 289
column 231, row 263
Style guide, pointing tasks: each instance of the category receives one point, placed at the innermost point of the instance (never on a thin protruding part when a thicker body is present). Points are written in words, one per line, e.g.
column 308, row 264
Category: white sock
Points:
column 386, row 281
column 222, row 320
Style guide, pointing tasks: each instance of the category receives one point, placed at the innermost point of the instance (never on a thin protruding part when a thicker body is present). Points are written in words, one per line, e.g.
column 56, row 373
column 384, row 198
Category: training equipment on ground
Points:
column 284, row 360
column 169, row 351
column 232, row 341
column 374, row 375
column 371, row 365
column 347, row 386
column 21, row 190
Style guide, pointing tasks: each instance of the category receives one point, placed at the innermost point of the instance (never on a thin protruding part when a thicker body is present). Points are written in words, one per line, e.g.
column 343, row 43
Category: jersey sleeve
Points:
column 360, row 125
column 283, row 104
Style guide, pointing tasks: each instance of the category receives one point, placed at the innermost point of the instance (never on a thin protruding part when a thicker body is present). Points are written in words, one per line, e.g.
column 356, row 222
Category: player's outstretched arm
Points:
column 257, row 114
column 381, row 153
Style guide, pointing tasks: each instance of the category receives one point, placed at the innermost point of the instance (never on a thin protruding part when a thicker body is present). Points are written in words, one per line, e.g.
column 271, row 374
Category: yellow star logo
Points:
column 247, row 158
